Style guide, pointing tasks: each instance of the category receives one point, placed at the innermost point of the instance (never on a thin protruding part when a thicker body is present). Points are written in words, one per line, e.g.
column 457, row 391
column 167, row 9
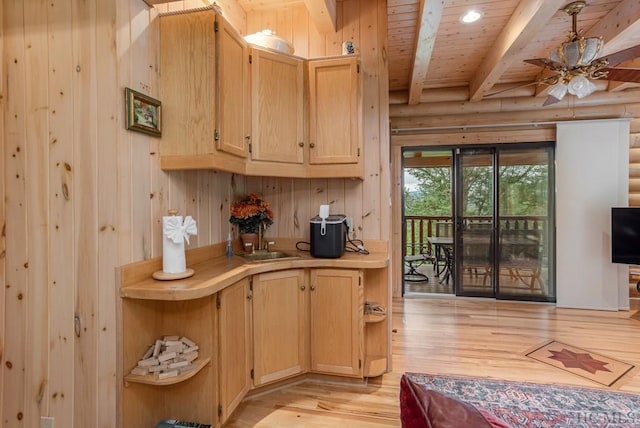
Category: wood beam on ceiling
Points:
column 527, row 21
column 428, row 22
column 323, row 14
column 620, row 28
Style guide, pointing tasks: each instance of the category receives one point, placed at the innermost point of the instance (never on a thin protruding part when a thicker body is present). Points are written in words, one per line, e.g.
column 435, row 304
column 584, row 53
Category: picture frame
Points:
column 143, row 113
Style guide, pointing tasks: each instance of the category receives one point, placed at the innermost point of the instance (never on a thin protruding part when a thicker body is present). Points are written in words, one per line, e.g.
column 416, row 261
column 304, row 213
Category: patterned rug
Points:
column 523, row 404
column 595, row 367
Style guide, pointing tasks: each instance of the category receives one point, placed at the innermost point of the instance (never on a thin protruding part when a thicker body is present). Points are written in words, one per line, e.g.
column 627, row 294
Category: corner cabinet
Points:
column 299, row 118
column 204, row 81
column 277, row 83
column 336, row 321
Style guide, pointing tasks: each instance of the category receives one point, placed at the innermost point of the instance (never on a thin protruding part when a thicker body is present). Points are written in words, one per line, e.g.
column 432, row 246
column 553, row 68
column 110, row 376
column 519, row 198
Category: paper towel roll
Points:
column 174, row 232
column 173, row 258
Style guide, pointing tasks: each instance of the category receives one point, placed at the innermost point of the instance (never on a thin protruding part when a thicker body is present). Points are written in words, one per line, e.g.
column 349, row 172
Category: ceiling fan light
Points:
column 577, row 52
column 558, row 91
column 580, row 86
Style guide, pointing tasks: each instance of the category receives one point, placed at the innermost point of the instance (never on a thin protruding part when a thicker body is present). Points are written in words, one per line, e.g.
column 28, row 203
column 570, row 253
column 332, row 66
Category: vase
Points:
column 249, row 238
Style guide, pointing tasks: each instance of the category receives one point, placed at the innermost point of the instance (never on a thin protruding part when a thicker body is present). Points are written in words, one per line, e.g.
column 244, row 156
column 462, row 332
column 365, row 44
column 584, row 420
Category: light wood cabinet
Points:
column 234, row 346
column 335, row 112
column 277, row 99
column 204, row 92
column 279, row 325
column 216, row 105
column 336, row 321
column 232, row 108
column 281, row 319
column 146, row 400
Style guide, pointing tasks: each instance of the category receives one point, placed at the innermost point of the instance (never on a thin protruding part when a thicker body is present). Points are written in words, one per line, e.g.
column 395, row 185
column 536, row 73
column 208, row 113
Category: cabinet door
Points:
column 336, row 321
column 279, row 325
column 187, row 67
column 277, row 107
column 232, row 62
column 334, row 111
column 234, row 350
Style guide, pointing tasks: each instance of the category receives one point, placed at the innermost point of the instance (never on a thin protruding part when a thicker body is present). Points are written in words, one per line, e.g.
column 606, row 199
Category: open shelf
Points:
column 152, row 379
column 372, row 318
column 375, row 365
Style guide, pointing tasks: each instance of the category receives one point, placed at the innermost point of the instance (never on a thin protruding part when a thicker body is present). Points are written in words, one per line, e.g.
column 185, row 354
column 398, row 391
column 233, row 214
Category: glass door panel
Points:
column 474, row 250
column 525, row 224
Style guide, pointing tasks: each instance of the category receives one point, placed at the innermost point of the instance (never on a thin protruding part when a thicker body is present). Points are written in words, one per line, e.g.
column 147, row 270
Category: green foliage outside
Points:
column 523, row 191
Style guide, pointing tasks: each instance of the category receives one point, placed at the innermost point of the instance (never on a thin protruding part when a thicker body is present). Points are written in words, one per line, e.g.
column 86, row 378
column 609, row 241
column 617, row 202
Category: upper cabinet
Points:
column 334, row 111
column 277, row 98
column 232, row 107
column 298, row 118
column 202, row 75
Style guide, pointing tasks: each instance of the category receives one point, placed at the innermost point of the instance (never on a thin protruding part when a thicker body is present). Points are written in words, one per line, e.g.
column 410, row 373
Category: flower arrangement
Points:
column 250, row 212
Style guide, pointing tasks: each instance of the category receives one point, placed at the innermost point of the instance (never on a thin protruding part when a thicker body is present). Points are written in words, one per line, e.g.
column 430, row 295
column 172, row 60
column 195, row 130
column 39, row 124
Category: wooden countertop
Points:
column 214, row 271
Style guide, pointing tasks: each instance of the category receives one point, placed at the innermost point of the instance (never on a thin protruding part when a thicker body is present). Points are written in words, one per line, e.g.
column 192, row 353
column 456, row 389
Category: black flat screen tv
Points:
column 625, row 235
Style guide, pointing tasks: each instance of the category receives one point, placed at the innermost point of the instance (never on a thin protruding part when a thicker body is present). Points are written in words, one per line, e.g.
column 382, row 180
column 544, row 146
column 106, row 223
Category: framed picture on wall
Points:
column 143, row 113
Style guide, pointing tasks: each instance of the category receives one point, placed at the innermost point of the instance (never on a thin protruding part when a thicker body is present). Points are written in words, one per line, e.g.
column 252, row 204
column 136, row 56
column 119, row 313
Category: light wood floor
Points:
column 476, row 337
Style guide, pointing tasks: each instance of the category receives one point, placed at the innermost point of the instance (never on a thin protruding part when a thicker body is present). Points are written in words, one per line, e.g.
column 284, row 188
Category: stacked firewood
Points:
column 168, row 357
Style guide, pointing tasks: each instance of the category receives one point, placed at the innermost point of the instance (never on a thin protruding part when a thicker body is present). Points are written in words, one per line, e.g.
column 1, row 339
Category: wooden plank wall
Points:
column 82, row 195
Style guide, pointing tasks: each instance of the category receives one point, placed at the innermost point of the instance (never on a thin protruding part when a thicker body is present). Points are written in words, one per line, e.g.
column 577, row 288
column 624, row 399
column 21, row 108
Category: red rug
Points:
column 435, row 401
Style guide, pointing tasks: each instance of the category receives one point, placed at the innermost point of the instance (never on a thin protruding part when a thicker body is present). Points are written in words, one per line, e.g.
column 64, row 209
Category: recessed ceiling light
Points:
column 471, row 16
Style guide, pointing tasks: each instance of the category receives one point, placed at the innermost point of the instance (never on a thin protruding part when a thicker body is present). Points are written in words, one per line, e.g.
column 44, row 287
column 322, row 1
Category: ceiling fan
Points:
column 575, row 63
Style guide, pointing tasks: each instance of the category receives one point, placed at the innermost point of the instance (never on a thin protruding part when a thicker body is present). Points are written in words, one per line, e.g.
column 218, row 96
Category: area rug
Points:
column 512, row 404
column 595, row 367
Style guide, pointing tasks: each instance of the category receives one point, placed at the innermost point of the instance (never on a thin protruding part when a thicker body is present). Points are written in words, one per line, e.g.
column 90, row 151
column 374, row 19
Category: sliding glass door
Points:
column 504, row 222
column 475, row 225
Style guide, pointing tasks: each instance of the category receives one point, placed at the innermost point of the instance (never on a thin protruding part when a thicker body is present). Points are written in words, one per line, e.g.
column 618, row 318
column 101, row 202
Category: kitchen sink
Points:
column 264, row 256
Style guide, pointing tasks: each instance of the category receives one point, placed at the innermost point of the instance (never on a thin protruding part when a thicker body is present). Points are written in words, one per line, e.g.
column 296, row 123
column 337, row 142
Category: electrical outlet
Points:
column 47, row 422
column 349, row 221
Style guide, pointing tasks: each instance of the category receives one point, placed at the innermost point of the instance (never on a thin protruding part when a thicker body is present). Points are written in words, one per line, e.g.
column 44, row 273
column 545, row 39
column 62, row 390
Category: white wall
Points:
column 592, row 175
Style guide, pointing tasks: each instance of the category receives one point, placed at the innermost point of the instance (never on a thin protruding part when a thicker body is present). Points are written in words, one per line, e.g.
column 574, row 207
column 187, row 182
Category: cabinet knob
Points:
column 301, row 144
column 313, row 287
column 302, row 287
column 249, row 296
column 312, row 145
column 248, row 137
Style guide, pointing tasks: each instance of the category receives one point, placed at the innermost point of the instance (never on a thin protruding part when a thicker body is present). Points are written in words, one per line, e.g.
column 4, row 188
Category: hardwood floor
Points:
column 475, row 337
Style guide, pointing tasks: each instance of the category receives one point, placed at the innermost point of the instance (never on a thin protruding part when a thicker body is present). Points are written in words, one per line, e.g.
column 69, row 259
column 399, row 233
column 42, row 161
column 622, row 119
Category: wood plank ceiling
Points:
column 434, row 57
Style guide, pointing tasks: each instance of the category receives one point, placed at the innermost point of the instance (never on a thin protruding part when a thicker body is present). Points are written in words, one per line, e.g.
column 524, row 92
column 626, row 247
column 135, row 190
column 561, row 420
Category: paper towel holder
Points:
column 167, row 276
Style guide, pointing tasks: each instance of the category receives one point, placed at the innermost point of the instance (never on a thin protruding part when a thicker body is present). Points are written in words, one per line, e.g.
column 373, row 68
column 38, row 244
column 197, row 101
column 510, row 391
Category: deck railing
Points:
column 418, row 228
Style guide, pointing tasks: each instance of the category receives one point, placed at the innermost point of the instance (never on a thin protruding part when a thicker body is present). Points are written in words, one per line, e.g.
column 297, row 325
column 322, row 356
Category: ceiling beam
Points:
column 620, row 28
column 527, row 21
column 323, row 14
column 428, row 23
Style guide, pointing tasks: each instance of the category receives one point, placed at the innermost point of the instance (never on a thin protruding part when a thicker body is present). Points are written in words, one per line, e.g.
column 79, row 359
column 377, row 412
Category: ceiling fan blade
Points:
column 550, row 100
column 511, row 88
column 622, row 56
column 545, row 62
column 622, row 74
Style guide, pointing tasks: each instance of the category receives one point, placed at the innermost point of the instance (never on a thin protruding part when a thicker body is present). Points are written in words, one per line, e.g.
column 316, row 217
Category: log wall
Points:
column 83, row 195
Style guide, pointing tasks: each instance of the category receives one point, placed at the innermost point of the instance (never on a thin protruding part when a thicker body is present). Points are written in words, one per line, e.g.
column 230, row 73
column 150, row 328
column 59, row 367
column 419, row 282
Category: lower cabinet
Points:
column 294, row 308
column 234, row 350
column 279, row 325
column 336, row 321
